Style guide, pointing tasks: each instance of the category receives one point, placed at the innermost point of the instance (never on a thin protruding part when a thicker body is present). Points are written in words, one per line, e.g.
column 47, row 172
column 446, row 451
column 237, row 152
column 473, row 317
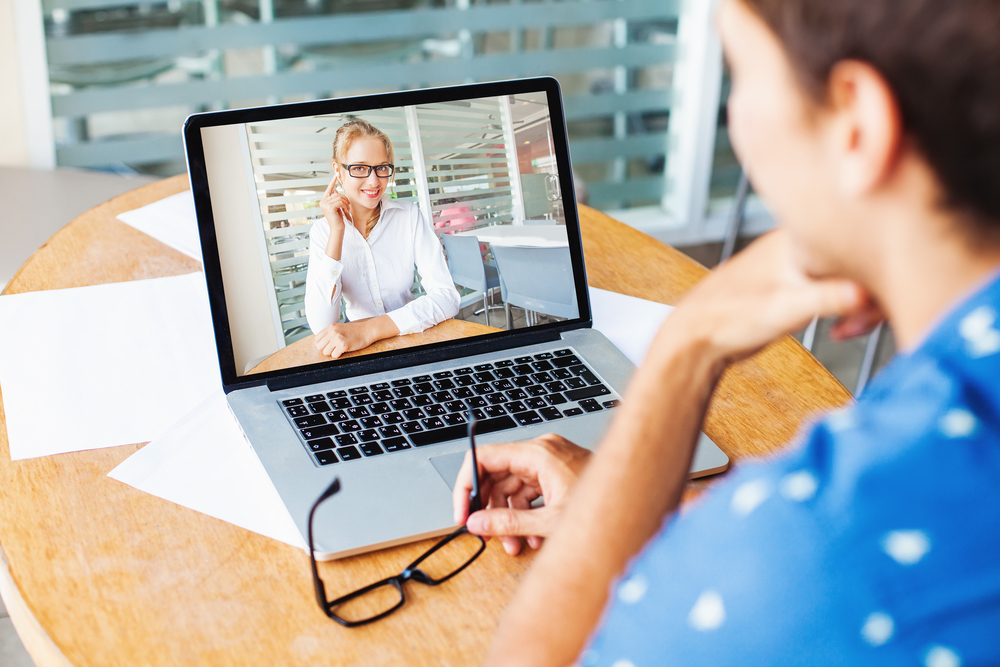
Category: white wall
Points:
column 14, row 147
column 247, row 297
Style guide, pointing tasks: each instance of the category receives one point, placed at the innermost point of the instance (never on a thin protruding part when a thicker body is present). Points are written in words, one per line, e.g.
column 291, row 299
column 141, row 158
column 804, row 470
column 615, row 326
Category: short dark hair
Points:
column 942, row 60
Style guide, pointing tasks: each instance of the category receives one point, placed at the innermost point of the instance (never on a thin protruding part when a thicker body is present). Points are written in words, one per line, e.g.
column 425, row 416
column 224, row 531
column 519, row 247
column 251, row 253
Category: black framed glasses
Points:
column 363, row 170
column 437, row 565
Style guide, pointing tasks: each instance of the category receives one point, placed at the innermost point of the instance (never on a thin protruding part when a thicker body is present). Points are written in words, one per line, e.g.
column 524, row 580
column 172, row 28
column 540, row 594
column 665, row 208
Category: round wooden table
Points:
column 94, row 572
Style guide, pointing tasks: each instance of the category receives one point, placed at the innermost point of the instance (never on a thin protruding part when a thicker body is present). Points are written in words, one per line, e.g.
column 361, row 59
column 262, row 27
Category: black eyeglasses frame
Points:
column 371, row 168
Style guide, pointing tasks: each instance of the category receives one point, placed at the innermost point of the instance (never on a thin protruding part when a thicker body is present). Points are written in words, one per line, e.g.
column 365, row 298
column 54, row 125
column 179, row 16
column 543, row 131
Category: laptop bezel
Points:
column 384, row 361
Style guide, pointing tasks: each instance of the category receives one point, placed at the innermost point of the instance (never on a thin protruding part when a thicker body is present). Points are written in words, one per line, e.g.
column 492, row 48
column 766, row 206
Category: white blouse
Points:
column 374, row 276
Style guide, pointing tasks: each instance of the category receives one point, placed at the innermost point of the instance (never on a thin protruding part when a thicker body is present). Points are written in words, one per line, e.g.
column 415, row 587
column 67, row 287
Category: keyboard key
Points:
column 422, row 378
column 542, row 366
column 319, row 406
column 400, row 383
column 441, row 396
column 563, row 353
column 401, row 404
column 534, row 403
column 482, row 389
column 380, row 386
column 555, row 399
column 537, row 390
column 423, row 388
column 497, row 398
column 613, row 403
column 565, row 362
column 346, row 439
column 555, row 386
column 503, row 385
column 504, row 364
column 484, row 367
column 455, row 432
column 550, row 413
column 393, row 418
column 523, row 360
column 340, row 393
column 528, row 418
column 336, row 416
column 544, row 355
column 357, row 390
column 368, row 435
column 523, row 381
column 371, row 449
column 561, row 374
column 327, row 457
column 383, row 395
column 320, row 444
column 517, row 394
column 475, row 402
column 315, row 398
column 422, row 400
column 434, row 410
column 349, row 426
column 363, row 399
column 371, row 422
column 432, row 422
column 465, row 380
column 311, row 420
column 572, row 412
column 504, row 373
column 575, row 383
column 380, row 408
column 590, row 405
column 588, row 392
column 516, row 406
column 413, row 427
column 462, row 392
column 443, row 384
column 414, row 413
column 523, row 369
column 442, row 374
column 319, row 431
column 465, row 370
column 390, row 431
column 291, row 401
column 479, row 414
column 577, row 370
column 403, row 392
column 340, row 403
column 349, row 453
column 455, row 406
column 454, row 418
column 395, row 444
column 589, row 378
column 358, row 412
column 494, row 411
column 484, row 377
column 541, row 377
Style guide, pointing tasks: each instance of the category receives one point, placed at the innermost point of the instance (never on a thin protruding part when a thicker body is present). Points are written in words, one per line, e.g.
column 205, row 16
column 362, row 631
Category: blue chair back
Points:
column 465, row 261
column 538, row 279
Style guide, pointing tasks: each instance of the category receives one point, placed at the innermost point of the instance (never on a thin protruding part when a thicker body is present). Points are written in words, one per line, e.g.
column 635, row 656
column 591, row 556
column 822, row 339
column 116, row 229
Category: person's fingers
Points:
column 330, row 188
column 506, row 521
column 511, row 544
column 460, row 493
column 535, row 542
column 857, row 323
column 503, row 489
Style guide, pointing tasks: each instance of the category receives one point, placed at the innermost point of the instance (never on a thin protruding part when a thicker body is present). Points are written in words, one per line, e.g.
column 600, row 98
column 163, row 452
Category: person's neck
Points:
column 361, row 216
column 929, row 262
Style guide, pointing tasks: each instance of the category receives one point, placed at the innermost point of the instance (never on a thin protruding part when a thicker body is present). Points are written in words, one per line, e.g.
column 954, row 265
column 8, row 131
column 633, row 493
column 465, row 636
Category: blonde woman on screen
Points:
column 364, row 251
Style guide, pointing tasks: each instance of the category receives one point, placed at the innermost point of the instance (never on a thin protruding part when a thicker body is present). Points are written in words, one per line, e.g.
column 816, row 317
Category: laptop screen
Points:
column 387, row 222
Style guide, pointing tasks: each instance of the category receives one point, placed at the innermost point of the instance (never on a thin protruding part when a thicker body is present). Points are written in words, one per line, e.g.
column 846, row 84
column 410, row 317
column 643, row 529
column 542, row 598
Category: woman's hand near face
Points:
column 334, row 204
column 512, row 476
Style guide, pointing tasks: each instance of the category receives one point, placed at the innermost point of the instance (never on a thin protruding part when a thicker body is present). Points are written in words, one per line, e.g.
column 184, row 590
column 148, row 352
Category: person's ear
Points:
column 867, row 128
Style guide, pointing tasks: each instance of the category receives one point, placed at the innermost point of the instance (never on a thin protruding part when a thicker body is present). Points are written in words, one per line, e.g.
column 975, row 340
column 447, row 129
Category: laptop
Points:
column 489, row 161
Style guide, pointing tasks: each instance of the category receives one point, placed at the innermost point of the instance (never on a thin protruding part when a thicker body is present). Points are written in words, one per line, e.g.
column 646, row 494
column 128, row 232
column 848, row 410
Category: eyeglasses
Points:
column 437, row 565
column 363, row 170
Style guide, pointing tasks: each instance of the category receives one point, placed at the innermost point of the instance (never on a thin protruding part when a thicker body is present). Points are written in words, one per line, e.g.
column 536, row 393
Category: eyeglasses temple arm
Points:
column 475, row 502
column 320, row 588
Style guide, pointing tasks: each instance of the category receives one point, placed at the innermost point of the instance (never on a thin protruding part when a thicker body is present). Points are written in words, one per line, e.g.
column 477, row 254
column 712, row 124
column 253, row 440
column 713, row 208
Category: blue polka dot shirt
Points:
column 874, row 541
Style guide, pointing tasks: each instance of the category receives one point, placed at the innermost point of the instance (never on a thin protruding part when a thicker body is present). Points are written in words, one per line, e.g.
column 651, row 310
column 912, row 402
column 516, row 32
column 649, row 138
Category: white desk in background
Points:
column 532, row 236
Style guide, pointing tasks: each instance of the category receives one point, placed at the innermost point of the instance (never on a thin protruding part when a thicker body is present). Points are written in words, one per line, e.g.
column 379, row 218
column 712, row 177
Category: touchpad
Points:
column 448, row 466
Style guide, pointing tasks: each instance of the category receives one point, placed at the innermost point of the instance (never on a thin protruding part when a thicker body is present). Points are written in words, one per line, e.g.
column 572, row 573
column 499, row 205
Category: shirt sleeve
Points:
column 441, row 300
column 323, row 285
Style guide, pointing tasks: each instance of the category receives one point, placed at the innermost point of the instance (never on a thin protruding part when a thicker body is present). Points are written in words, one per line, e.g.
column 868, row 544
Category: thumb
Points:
column 505, row 521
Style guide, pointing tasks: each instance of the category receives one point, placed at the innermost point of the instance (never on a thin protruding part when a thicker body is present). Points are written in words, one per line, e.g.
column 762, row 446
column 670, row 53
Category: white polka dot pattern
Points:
column 798, row 486
column 633, row 589
column 708, row 613
column 750, row 495
column 906, row 547
column 939, row 656
column 878, row 628
column 957, row 423
column 981, row 339
column 840, row 420
column 623, row 663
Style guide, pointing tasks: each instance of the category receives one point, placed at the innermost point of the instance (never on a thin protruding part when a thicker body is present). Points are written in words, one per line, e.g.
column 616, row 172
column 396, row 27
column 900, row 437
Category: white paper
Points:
column 628, row 322
column 203, row 462
column 206, row 464
column 171, row 220
column 106, row 365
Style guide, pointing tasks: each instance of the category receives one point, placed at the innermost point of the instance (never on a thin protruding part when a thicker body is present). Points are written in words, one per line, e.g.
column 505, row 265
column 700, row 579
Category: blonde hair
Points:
column 355, row 129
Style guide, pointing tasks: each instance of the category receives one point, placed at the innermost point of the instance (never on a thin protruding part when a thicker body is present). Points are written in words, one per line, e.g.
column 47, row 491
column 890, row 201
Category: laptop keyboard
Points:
column 422, row 410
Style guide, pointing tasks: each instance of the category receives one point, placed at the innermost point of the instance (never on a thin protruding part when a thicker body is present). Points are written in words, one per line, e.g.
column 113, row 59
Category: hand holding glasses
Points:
column 437, row 565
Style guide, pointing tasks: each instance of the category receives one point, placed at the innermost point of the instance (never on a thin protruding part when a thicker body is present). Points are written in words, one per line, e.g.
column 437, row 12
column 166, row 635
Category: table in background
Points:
column 531, row 236
column 101, row 573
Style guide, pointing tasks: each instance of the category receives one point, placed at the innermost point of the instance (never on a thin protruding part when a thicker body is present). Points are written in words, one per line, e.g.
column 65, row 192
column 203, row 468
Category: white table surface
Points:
column 532, row 236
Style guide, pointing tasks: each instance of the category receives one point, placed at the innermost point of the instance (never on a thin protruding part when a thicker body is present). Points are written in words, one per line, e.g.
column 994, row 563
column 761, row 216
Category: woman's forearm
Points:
column 634, row 479
column 335, row 244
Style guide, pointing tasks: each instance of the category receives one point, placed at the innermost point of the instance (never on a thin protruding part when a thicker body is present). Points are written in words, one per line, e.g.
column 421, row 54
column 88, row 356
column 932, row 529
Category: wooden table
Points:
column 103, row 574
